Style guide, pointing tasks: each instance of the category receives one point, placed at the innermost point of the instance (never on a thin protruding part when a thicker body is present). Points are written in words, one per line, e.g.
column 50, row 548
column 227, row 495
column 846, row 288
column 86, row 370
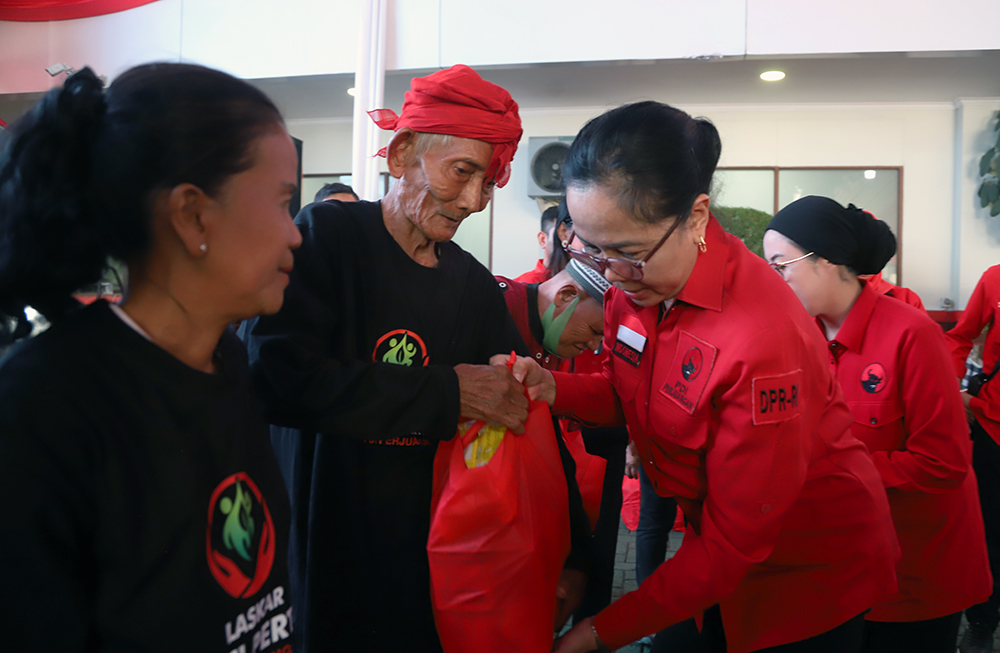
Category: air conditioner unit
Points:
column 546, row 155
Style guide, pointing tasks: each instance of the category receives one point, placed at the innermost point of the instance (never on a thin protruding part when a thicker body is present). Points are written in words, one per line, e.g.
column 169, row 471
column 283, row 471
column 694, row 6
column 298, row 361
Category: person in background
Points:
column 883, row 287
column 559, row 318
column 562, row 322
column 336, row 191
column 141, row 494
column 554, row 227
column 722, row 378
column 893, row 366
column 983, row 413
column 382, row 345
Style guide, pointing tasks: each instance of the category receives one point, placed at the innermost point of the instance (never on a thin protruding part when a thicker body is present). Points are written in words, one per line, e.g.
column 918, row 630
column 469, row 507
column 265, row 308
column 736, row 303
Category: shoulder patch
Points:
column 776, row 398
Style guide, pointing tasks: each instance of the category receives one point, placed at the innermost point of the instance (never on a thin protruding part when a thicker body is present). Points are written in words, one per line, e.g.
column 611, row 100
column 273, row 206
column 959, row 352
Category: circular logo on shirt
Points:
column 401, row 347
column 692, row 363
column 240, row 538
column 873, row 378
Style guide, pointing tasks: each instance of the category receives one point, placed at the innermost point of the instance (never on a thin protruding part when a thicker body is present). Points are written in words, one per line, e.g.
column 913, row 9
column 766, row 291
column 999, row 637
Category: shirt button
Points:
column 538, row 355
column 766, row 508
column 874, row 421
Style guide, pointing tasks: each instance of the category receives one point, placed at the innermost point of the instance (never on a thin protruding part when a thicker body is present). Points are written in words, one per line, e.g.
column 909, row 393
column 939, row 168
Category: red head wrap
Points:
column 458, row 102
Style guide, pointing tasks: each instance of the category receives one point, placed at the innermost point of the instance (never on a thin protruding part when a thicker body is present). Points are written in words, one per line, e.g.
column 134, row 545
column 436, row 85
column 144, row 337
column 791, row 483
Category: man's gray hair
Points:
column 424, row 141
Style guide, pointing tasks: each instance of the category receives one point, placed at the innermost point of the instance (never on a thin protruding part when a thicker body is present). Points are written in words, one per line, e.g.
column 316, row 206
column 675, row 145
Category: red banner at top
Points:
column 45, row 10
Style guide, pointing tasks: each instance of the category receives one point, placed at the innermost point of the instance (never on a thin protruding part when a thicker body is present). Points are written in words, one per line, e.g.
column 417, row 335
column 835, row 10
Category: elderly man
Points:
column 382, row 343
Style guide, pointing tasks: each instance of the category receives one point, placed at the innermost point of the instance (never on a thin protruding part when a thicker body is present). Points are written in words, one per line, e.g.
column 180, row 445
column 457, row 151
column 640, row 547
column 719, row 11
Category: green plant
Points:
column 989, row 170
column 745, row 223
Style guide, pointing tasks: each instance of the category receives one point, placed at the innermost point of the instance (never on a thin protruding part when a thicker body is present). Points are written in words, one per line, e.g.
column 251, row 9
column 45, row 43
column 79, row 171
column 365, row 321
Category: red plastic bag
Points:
column 630, row 502
column 498, row 540
column 589, row 474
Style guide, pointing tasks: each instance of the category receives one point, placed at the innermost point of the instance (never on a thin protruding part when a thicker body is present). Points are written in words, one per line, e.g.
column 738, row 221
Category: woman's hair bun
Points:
column 876, row 242
column 51, row 245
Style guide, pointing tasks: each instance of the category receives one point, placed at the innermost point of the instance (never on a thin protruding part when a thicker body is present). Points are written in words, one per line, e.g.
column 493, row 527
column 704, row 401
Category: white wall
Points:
column 840, row 26
column 917, row 137
column 979, row 234
column 262, row 38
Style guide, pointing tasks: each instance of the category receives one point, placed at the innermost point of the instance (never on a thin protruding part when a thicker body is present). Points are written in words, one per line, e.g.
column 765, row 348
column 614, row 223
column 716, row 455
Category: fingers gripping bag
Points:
column 499, row 536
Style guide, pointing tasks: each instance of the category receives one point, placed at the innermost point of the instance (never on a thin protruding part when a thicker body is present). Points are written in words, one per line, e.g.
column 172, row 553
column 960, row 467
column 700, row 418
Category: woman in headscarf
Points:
column 893, row 366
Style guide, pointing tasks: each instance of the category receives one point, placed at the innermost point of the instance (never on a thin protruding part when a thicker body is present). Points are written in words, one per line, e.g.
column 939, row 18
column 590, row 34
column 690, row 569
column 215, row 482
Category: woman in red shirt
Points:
column 893, row 366
column 723, row 382
column 983, row 409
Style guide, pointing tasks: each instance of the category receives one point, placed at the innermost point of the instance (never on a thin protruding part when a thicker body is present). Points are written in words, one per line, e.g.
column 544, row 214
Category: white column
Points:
column 369, row 85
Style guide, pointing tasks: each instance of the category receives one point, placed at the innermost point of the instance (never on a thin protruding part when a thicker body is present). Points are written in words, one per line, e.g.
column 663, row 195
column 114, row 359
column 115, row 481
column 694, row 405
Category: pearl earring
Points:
column 203, row 248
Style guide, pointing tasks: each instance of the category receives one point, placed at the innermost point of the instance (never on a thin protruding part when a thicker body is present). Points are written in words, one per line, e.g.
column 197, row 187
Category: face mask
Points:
column 553, row 327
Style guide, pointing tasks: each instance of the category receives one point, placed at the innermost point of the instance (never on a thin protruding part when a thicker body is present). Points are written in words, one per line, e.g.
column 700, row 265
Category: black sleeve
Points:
column 581, row 554
column 506, row 338
column 47, row 519
column 302, row 381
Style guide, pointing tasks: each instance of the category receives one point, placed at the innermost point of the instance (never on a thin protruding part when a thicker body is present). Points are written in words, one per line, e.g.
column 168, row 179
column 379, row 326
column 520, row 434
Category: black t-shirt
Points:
column 360, row 470
column 143, row 509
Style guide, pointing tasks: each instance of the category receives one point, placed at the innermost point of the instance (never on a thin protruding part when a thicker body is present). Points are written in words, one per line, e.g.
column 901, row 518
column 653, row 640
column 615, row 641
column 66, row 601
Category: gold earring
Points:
column 702, row 245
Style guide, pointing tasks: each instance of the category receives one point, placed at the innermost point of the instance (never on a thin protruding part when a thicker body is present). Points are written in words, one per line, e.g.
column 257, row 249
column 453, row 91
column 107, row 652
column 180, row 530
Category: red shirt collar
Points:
column 851, row 335
column 705, row 285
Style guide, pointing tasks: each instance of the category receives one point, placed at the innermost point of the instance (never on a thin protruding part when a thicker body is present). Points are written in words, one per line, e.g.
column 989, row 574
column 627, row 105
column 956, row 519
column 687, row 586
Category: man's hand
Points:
column 492, row 394
column 569, row 595
column 540, row 383
column 580, row 639
column 631, row 461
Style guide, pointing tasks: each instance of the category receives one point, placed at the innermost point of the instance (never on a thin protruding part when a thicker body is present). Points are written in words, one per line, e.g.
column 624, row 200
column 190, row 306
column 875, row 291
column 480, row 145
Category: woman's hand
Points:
column 631, row 461
column 538, row 381
column 579, row 639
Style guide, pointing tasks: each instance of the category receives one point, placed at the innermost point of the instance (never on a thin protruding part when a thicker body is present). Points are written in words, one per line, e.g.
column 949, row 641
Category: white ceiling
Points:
column 896, row 77
column 861, row 78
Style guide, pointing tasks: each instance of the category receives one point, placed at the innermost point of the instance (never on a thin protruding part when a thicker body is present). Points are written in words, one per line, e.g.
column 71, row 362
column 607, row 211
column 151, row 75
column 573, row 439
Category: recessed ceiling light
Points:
column 352, row 92
column 772, row 75
column 870, row 174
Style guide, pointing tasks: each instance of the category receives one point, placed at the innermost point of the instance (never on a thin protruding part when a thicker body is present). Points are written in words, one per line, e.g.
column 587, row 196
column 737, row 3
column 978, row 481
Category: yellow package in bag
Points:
column 481, row 450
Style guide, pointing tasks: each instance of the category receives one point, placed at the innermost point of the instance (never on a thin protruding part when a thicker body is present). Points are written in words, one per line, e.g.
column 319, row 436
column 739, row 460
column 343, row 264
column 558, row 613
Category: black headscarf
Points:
column 850, row 236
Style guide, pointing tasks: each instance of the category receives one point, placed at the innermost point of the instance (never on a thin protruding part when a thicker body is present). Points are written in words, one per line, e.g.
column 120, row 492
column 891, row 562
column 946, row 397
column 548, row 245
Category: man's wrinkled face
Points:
column 446, row 184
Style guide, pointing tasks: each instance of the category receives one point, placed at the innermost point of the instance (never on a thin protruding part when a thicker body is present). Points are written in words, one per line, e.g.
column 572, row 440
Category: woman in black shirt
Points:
column 143, row 509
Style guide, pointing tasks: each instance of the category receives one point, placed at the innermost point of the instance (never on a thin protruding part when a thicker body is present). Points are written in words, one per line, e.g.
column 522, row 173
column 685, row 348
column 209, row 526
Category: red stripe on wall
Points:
column 45, row 10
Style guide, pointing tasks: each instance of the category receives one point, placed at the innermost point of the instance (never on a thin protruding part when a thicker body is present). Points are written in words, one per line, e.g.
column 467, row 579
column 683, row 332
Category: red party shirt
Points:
column 893, row 366
column 981, row 312
column 539, row 274
column 905, row 295
column 734, row 411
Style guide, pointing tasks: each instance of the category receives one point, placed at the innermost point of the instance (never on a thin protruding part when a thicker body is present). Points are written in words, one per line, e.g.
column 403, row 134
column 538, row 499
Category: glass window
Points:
column 875, row 190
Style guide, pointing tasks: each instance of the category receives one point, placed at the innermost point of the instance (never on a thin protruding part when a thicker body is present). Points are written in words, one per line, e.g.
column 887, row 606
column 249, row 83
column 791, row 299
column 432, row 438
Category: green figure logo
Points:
column 237, row 531
column 400, row 352
column 401, row 347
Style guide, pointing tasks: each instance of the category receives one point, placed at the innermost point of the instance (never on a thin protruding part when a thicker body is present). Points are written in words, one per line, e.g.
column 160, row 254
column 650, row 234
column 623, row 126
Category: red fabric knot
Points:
column 458, row 102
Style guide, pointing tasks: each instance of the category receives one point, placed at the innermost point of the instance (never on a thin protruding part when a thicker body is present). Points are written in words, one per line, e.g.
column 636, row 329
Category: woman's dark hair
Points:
column 77, row 181
column 656, row 158
column 559, row 259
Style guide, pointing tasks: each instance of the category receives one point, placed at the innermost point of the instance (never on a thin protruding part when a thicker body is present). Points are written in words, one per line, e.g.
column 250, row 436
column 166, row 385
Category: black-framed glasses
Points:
column 780, row 267
column 630, row 270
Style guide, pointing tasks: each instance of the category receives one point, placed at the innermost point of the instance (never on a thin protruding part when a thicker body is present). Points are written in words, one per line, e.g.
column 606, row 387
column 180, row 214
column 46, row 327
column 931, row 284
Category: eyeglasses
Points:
column 630, row 270
column 780, row 267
